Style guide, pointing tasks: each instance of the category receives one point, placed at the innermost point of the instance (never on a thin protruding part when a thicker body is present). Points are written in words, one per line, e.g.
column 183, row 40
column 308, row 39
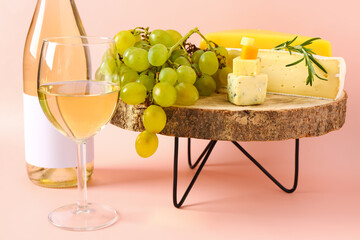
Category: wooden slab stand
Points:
column 280, row 117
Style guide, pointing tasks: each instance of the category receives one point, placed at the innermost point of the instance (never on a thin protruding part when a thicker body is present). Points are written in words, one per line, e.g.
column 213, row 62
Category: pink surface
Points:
column 232, row 198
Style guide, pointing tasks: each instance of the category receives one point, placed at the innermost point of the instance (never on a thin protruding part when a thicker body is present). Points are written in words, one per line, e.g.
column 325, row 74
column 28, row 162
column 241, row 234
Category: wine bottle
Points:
column 50, row 157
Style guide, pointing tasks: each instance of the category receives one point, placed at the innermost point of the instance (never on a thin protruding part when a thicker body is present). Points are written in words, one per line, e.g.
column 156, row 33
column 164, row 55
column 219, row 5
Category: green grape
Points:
column 222, row 75
column 161, row 36
column 118, row 61
column 123, row 68
column 187, row 94
column 158, row 54
column 196, row 56
column 186, row 74
column 114, row 78
column 98, row 75
column 182, row 61
column 208, row 63
column 137, row 36
column 147, row 81
column 142, row 44
column 206, row 85
column 154, row 119
column 222, row 51
column 152, row 74
column 109, row 53
column 137, row 59
column 215, row 76
column 149, row 73
column 176, row 36
column 128, row 76
column 124, row 40
column 166, row 64
column 195, row 67
column 128, row 51
column 168, row 75
column 108, row 66
column 146, row 144
column 177, row 53
column 164, row 94
column 133, row 93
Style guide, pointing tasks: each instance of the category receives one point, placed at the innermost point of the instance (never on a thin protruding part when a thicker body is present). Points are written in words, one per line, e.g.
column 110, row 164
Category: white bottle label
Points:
column 44, row 145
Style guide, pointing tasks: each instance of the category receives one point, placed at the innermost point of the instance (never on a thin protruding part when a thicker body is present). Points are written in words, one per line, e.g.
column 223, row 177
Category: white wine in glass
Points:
column 79, row 103
column 78, row 109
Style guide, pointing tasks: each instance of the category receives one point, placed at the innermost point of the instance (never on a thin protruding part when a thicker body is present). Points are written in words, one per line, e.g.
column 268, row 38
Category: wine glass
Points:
column 78, row 91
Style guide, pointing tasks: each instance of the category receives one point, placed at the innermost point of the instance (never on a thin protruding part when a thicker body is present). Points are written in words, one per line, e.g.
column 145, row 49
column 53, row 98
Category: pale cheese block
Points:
column 292, row 80
column 247, row 90
column 246, row 67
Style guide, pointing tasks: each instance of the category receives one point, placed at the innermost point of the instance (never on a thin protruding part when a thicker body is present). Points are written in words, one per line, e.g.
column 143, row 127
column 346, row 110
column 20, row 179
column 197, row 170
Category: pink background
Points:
column 232, row 198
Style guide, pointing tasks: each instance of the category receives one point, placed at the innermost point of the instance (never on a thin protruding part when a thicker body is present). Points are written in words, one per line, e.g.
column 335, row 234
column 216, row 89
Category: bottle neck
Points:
column 52, row 18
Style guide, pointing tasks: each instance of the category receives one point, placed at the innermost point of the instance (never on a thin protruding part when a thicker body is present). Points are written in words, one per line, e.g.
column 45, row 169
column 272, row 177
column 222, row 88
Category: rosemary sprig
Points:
column 307, row 57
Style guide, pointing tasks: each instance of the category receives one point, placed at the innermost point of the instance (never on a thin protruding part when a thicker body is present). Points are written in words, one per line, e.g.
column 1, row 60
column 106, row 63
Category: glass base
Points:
column 95, row 216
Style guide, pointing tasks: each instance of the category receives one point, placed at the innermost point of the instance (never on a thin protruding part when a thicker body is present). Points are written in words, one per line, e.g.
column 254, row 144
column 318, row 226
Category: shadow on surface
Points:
column 115, row 176
column 220, row 186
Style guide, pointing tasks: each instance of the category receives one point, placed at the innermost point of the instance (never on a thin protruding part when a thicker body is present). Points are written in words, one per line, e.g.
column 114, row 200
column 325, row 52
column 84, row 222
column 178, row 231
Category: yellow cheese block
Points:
column 292, row 80
column 265, row 40
column 247, row 90
column 246, row 67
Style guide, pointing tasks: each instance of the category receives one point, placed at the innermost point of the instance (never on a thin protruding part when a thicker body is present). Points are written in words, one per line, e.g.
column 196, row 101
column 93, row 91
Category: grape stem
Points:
column 187, row 55
column 183, row 39
column 204, row 38
column 216, row 45
column 141, row 30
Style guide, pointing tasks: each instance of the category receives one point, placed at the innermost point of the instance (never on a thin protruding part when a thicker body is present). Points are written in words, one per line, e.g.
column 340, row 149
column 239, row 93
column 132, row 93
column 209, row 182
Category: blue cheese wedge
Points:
column 247, row 90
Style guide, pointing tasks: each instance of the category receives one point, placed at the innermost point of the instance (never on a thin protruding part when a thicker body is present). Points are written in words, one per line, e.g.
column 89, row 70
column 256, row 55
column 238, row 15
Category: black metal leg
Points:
column 192, row 166
column 296, row 175
column 204, row 157
column 206, row 153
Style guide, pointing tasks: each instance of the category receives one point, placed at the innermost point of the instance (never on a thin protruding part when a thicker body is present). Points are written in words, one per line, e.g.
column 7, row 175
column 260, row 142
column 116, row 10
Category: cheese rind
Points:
column 249, row 52
column 247, row 90
column 247, row 67
column 292, row 80
column 264, row 40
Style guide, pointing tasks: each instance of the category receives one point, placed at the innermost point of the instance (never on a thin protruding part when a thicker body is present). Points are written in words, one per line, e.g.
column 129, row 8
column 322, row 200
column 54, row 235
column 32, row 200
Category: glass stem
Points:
column 81, row 176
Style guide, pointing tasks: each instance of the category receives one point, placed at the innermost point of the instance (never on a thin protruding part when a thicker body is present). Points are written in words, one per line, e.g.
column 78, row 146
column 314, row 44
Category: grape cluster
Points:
column 159, row 68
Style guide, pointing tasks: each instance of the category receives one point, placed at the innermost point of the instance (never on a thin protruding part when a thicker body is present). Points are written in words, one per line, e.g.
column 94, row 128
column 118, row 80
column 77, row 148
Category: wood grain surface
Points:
column 280, row 117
